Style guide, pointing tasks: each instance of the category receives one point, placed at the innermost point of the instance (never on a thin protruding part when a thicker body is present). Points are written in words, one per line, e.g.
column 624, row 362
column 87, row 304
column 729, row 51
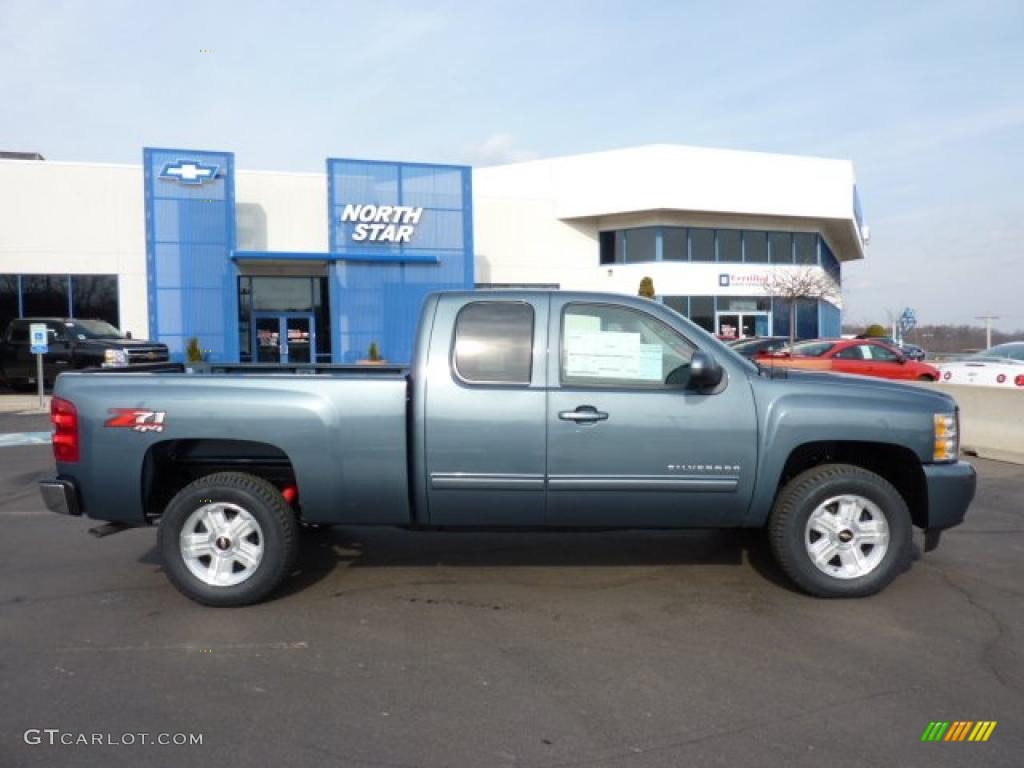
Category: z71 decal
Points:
column 137, row 420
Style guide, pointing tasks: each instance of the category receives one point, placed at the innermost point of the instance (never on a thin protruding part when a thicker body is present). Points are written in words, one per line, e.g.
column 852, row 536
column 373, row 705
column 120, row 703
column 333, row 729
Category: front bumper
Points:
column 950, row 491
column 60, row 496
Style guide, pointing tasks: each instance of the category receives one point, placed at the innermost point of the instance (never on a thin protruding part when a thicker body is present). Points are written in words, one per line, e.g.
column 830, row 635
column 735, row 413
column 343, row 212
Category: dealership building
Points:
column 303, row 267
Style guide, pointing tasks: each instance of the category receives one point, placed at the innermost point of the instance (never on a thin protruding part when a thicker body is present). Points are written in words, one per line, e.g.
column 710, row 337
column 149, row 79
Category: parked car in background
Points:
column 999, row 366
column 73, row 344
column 912, row 351
column 752, row 347
column 865, row 357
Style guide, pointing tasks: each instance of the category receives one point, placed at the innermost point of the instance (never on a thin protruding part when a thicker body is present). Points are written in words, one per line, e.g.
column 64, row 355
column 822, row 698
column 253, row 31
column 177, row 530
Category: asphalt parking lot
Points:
column 391, row 648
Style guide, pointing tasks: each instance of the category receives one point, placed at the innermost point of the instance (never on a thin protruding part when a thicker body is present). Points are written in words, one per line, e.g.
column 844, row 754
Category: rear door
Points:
column 629, row 443
column 887, row 363
column 852, row 359
column 58, row 350
column 485, row 405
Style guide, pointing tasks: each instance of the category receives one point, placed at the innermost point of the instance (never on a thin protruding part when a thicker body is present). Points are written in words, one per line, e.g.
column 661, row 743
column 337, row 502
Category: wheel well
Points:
column 171, row 465
column 899, row 465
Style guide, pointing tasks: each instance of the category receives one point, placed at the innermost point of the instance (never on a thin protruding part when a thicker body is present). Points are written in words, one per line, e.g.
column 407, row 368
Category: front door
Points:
column 283, row 337
column 741, row 325
column 629, row 444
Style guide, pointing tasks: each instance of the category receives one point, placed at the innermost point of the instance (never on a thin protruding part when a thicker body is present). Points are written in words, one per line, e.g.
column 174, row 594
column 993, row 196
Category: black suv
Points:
column 72, row 344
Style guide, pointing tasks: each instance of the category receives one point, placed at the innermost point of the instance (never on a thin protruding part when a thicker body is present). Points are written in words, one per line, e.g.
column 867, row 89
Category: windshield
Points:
column 812, row 348
column 1011, row 350
column 93, row 329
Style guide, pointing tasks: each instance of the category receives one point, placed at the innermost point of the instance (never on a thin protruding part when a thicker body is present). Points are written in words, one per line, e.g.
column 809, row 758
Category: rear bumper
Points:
column 60, row 496
column 950, row 491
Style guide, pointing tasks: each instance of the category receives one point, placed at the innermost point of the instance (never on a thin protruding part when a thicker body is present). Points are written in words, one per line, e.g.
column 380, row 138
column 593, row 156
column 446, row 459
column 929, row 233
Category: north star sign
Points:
column 382, row 223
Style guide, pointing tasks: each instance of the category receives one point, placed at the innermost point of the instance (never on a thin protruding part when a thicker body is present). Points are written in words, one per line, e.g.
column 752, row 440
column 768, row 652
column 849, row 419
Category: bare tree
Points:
column 802, row 283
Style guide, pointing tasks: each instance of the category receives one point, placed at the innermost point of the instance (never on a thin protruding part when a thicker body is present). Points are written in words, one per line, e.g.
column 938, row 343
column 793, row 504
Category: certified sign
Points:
column 37, row 334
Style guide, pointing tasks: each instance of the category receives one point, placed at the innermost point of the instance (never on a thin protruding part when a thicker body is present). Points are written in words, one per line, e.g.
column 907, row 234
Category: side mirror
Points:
column 705, row 372
column 127, row 334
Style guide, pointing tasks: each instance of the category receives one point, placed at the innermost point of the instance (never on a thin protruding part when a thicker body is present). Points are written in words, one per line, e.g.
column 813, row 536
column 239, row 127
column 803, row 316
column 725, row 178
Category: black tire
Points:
column 278, row 536
column 926, row 378
column 787, row 529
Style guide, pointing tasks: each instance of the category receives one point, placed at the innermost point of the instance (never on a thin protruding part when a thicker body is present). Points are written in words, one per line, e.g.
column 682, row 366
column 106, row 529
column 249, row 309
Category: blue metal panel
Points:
column 377, row 288
column 829, row 320
column 190, row 234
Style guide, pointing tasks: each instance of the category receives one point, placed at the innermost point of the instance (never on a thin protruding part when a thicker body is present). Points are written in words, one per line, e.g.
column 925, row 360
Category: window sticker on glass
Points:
column 610, row 354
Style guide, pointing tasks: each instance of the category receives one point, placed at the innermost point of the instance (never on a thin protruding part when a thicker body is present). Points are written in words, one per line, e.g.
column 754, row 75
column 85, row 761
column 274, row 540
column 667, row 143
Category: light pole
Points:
column 988, row 328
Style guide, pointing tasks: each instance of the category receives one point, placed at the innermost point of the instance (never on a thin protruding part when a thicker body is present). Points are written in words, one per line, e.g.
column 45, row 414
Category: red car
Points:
column 866, row 357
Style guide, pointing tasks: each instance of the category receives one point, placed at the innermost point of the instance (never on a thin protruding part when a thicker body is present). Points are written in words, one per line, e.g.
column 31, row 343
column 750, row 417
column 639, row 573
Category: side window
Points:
column 56, row 332
column 882, row 354
column 19, row 332
column 608, row 346
column 851, row 353
column 494, row 342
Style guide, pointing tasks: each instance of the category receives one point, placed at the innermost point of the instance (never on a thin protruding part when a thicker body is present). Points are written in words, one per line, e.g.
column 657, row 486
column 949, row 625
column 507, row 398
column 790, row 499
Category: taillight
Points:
column 1019, row 380
column 64, row 417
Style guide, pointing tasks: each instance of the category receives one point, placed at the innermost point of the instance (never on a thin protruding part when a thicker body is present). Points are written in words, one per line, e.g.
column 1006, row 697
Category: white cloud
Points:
column 498, row 149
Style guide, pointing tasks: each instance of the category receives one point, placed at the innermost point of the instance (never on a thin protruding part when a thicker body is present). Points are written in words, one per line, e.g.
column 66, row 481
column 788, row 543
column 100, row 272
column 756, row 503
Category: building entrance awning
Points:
column 325, row 257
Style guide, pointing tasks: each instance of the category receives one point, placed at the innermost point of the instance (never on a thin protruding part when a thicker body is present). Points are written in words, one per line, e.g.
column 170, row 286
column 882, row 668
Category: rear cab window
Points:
column 493, row 343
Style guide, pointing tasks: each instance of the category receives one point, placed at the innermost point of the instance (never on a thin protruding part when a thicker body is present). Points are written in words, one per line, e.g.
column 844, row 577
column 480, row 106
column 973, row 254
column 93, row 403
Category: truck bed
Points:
column 342, row 431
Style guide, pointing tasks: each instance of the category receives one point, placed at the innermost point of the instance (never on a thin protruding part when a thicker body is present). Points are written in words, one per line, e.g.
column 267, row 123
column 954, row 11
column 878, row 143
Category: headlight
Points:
column 947, row 436
column 114, row 357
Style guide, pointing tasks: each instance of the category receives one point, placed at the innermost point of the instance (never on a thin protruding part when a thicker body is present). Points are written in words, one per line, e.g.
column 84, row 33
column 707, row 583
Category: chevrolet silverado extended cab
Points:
column 521, row 410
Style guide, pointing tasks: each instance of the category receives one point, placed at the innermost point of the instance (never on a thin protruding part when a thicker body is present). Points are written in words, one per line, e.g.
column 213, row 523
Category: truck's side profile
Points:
column 526, row 409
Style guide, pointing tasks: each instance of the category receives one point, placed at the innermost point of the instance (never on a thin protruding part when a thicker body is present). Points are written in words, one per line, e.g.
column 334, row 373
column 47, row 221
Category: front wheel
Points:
column 228, row 539
column 838, row 530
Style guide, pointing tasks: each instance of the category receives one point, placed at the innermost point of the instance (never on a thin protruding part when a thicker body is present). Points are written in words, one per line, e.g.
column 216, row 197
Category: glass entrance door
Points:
column 283, row 337
column 741, row 325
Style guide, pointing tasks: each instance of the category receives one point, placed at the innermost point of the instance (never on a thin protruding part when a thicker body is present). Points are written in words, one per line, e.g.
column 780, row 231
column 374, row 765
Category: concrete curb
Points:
column 991, row 420
column 23, row 404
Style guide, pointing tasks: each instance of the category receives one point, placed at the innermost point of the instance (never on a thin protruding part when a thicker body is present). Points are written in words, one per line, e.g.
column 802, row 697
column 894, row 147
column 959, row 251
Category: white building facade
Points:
column 184, row 245
column 708, row 227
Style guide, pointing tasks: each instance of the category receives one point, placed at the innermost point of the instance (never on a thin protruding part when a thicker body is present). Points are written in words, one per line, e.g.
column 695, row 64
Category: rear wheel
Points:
column 228, row 539
column 838, row 530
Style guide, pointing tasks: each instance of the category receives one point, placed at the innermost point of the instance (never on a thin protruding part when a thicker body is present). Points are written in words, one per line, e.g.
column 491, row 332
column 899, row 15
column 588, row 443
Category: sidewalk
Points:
column 22, row 403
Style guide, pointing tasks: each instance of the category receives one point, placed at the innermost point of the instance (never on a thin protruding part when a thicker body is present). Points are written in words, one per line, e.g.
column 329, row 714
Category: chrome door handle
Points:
column 583, row 413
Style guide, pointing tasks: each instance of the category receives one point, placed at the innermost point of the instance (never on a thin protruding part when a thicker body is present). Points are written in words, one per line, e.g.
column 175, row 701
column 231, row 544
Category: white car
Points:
column 999, row 366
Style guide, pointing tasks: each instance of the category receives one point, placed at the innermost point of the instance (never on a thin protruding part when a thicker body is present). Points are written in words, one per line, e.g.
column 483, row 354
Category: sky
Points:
column 925, row 98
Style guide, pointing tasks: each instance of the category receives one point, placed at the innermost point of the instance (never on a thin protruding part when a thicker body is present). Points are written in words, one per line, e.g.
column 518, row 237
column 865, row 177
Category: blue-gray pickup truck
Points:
column 521, row 410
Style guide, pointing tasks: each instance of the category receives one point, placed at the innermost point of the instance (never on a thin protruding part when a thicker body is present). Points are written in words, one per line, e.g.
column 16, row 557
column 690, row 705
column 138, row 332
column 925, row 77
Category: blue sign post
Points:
column 907, row 322
column 39, row 347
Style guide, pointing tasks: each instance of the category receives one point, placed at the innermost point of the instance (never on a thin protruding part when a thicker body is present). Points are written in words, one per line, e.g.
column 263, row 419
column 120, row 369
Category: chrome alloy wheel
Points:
column 847, row 536
column 221, row 544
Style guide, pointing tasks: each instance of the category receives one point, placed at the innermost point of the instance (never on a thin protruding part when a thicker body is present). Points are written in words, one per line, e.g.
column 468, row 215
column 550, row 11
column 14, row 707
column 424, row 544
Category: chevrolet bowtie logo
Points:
column 189, row 172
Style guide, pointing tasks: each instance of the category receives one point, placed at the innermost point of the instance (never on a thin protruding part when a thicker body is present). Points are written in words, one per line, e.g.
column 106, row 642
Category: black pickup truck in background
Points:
column 73, row 344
